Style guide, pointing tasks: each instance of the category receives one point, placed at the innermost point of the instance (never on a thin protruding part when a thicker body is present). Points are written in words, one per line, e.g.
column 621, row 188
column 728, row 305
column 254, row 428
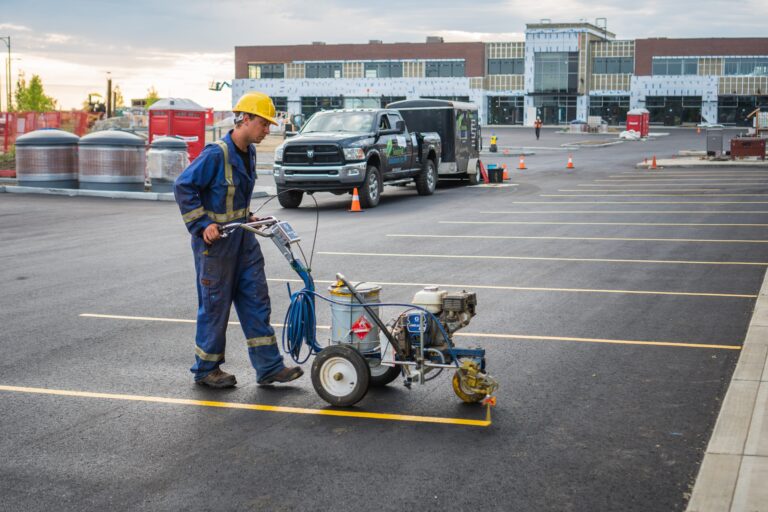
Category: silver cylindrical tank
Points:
column 352, row 324
column 166, row 159
column 112, row 160
column 47, row 158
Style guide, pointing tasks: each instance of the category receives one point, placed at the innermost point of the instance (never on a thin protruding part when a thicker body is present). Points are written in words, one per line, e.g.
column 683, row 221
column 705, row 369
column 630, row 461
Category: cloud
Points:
column 15, row 28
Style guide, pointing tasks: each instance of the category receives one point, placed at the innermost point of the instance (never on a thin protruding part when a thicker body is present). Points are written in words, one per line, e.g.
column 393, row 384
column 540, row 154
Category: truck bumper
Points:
column 320, row 178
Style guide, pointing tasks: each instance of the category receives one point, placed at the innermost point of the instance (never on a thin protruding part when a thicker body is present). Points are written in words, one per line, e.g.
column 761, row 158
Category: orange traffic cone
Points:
column 570, row 163
column 504, row 176
column 355, row 202
column 653, row 163
column 522, row 166
column 698, row 130
column 506, row 152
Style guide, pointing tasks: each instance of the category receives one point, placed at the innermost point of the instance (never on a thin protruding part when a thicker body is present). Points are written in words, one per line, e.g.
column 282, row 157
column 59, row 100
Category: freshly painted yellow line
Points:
column 540, row 289
column 598, row 340
column 508, row 336
column 653, row 195
column 637, row 202
column 599, row 239
column 250, row 407
column 536, row 223
column 534, row 258
column 603, row 212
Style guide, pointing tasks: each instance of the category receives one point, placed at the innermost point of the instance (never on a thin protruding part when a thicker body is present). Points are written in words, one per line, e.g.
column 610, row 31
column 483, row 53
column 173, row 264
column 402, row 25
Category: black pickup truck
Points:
column 338, row 150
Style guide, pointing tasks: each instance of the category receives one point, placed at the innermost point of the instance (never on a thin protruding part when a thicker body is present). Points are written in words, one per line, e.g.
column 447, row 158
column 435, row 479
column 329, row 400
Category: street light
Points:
column 7, row 41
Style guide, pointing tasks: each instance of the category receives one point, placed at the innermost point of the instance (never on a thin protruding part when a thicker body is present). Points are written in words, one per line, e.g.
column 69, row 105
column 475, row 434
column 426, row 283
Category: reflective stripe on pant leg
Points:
column 253, row 308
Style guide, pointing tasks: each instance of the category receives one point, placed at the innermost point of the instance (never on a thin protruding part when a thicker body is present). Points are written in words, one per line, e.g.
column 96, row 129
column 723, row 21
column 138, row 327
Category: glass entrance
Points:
column 560, row 109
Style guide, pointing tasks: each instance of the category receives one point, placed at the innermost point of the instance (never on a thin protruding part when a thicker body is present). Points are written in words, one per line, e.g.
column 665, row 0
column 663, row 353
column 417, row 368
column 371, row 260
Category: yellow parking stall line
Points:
column 249, row 407
column 621, row 211
column 587, row 238
column 651, row 195
column 597, row 340
column 518, row 337
column 559, row 223
column 544, row 258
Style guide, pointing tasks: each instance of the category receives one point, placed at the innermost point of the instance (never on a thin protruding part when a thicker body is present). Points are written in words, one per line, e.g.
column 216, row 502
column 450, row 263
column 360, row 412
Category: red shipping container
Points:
column 181, row 118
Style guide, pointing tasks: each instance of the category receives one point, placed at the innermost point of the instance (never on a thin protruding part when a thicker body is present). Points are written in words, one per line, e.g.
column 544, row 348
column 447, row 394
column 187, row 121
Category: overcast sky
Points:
column 179, row 47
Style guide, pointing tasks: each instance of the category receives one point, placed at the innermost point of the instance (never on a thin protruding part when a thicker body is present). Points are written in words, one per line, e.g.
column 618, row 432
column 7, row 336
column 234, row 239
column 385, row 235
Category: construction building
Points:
column 562, row 72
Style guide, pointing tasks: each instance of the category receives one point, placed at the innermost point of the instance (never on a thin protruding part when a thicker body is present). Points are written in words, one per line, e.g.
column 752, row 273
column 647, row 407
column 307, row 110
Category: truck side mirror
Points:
column 400, row 126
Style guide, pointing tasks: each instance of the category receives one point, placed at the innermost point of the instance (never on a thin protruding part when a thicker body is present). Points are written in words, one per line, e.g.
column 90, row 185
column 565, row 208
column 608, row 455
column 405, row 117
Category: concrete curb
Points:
column 695, row 162
column 734, row 472
column 109, row 194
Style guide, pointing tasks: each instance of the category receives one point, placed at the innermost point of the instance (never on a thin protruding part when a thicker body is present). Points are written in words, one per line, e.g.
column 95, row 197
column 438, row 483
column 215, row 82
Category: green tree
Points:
column 31, row 97
column 152, row 96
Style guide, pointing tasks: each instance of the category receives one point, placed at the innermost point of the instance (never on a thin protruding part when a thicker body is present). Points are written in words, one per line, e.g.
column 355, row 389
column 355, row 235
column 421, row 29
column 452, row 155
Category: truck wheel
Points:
column 370, row 193
column 426, row 181
column 340, row 375
column 289, row 198
column 475, row 179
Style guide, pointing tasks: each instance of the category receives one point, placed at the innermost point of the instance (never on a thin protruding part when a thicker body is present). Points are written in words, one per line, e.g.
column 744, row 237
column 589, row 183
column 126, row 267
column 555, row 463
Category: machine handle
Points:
column 254, row 227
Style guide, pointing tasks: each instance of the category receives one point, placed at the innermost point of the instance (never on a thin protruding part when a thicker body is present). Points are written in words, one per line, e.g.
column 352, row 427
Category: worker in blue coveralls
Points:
column 216, row 189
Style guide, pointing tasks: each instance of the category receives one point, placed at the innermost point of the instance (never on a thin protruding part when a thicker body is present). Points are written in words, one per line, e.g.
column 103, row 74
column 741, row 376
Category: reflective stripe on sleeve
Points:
column 205, row 356
column 261, row 341
column 228, row 177
column 193, row 215
column 227, row 217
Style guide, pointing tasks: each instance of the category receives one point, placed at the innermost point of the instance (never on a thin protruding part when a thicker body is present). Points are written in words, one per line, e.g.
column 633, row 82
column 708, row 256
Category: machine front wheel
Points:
column 340, row 375
column 466, row 395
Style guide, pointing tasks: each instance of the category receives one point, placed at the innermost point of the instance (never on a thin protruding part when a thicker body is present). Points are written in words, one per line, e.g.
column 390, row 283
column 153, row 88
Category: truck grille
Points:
column 312, row 154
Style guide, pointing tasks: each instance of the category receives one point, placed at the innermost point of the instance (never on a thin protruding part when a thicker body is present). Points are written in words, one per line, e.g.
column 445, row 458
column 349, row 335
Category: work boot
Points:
column 218, row 379
column 284, row 375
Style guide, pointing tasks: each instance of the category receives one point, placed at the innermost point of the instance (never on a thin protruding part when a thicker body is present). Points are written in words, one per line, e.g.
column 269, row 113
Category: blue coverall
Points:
column 232, row 268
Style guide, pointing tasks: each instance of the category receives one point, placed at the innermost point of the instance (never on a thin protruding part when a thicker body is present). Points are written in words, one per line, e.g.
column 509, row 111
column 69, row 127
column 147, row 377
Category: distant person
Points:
column 537, row 126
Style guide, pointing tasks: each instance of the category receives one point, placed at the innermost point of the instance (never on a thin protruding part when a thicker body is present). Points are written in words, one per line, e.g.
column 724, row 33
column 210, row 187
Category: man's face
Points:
column 256, row 128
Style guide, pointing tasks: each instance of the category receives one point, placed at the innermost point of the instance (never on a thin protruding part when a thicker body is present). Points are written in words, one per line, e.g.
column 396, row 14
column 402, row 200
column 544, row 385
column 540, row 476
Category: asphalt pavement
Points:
column 613, row 306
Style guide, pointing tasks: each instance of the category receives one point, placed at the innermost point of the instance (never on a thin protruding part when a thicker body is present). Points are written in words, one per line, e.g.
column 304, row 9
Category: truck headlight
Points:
column 279, row 154
column 354, row 154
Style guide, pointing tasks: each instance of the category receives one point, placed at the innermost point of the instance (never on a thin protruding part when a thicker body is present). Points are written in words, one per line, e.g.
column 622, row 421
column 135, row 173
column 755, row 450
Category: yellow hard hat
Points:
column 256, row 103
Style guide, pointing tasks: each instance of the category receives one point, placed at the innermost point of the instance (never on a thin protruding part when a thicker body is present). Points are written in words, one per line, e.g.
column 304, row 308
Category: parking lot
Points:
column 613, row 303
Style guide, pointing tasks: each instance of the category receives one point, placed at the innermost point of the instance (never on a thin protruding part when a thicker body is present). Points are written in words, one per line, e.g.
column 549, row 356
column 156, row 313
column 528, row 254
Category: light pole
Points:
column 7, row 41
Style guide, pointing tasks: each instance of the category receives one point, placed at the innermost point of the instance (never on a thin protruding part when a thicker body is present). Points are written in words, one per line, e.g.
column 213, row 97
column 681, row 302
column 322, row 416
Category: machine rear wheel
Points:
column 381, row 374
column 462, row 392
column 340, row 375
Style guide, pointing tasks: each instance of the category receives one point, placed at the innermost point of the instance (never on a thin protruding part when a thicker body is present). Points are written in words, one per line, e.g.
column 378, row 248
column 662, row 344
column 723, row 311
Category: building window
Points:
column 443, row 68
column 506, row 67
column 613, row 109
column 323, row 70
column 674, row 110
column 464, row 99
column 734, row 110
column 556, row 72
column 259, row 71
column 613, row 65
column 281, row 103
column 746, row 66
column 383, row 70
column 505, row 109
column 312, row 104
column 675, row 66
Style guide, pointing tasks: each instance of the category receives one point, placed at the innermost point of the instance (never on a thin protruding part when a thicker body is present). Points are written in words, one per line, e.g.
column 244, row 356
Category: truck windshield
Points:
column 355, row 122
